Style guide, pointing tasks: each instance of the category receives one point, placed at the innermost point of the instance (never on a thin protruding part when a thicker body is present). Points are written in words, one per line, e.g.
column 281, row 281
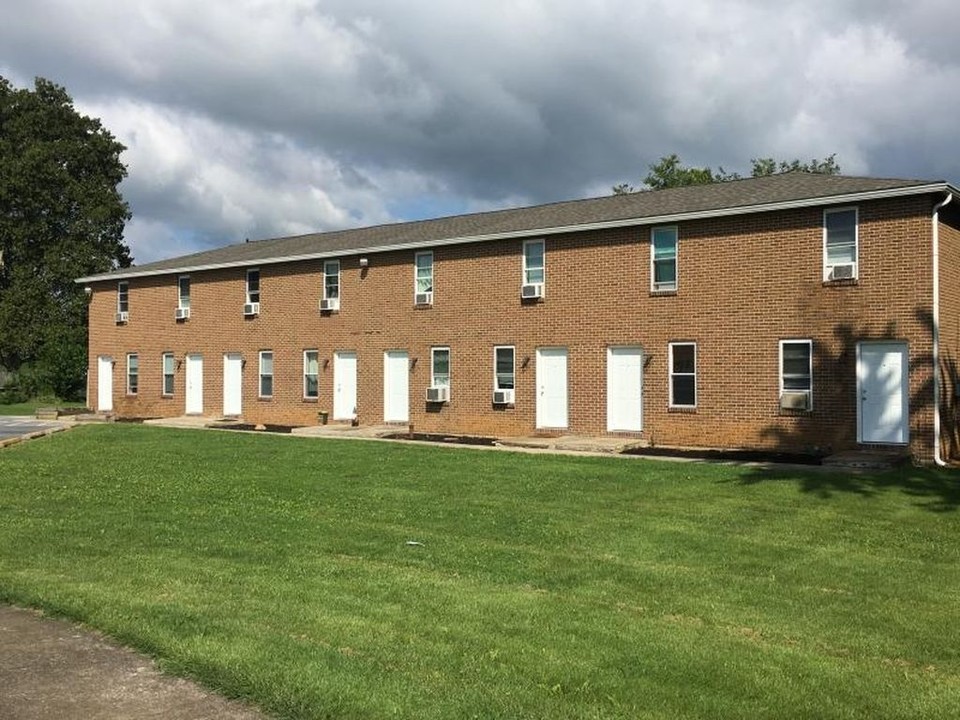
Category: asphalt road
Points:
column 14, row 425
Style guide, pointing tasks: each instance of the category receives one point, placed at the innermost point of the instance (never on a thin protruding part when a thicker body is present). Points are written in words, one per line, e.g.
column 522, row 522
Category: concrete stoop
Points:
column 94, row 417
column 866, row 459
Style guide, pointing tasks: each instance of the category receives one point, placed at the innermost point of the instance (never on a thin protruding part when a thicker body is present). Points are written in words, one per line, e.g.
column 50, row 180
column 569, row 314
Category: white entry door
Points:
column 883, row 393
column 396, row 386
column 344, row 385
column 624, row 389
column 194, row 403
column 105, row 383
column 552, row 387
column 232, row 384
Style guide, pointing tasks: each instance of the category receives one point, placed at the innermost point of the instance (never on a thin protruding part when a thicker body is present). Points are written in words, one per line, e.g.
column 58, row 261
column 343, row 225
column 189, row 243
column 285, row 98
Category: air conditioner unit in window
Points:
column 795, row 400
column 534, row 290
column 438, row 394
column 122, row 317
column 250, row 309
column 841, row 272
column 328, row 304
column 182, row 313
column 423, row 298
column 503, row 397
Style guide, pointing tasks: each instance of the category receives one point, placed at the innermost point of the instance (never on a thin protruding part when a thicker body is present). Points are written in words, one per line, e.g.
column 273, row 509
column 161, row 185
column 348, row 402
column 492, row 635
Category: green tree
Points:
column 670, row 172
column 61, row 217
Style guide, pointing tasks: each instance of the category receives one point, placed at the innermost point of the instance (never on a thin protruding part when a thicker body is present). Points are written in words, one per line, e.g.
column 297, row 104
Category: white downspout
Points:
column 937, row 457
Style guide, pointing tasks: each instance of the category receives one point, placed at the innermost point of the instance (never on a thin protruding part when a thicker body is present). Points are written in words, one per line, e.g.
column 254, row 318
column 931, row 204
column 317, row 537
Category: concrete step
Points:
column 879, row 459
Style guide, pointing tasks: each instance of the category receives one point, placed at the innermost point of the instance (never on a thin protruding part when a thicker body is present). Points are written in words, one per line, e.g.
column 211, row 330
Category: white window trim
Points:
column 123, row 296
column 130, row 390
column 261, row 375
column 305, row 375
column 543, row 268
column 827, row 268
column 675, row 286
column 496, row 379
column 164, row 374
column 798, row 341
column 326, row 273
column 672, row 374
column 433, row 355
column 259, row 285
column 416, row 279
column 180, row 280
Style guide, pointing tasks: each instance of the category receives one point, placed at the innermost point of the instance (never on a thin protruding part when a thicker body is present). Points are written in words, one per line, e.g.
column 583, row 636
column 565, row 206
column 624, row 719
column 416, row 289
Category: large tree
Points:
column 61, row 217
column 670, row 172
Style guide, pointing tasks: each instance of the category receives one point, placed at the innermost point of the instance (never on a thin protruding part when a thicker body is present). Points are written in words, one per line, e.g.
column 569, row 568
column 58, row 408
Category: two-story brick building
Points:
column 795, row 312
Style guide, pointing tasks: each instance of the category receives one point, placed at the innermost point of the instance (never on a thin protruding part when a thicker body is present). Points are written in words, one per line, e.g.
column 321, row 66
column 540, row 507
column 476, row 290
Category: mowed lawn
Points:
column 281, row 570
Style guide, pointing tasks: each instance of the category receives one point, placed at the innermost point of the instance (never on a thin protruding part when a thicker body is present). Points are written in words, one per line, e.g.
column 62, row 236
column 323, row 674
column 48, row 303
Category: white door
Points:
column 552, row 387
column 105, row 383
column 344, row 385
column 396, row 386
column 194, row 404
column 232, row 384
column 625, row 389
column 883, row 393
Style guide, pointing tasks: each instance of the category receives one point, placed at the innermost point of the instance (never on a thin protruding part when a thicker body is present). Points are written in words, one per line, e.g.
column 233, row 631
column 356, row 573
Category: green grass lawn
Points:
column 278, row 569
column 30, row 407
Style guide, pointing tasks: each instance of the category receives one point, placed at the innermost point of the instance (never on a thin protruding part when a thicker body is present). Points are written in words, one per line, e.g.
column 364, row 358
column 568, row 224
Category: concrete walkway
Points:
column 53, row 669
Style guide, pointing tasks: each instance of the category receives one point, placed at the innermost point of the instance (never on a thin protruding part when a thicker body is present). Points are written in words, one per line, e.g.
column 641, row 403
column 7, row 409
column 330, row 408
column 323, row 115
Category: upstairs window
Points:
column 123, row 301
column 533, row 269
column 840, row 252
column 331, row 285
column 183, row 291
column 253, row 287
column 311, row 374
column 423, row 278
column 440, row 367
column 133, row 373
column 663, row 259
column 169, row 366
column 796, row 374
column 683, row 375
column 266, row 373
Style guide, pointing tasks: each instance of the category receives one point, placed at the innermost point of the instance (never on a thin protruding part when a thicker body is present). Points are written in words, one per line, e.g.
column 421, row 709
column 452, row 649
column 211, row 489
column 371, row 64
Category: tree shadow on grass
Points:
column 934, row 489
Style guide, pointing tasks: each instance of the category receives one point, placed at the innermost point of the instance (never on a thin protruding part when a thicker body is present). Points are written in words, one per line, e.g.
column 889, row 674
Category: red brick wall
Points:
column 949, row 329
column 744, row 284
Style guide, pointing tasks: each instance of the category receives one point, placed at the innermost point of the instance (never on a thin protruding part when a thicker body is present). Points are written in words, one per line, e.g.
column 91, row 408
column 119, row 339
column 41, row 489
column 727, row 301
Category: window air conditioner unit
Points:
column 328, row 304
column 250, row 309
column 182, row 313
column 503, row 397
column 534, row 290
column 122, row 317
column 438, row 394
column 424, row 298
column 795, row 400
column 841, row 272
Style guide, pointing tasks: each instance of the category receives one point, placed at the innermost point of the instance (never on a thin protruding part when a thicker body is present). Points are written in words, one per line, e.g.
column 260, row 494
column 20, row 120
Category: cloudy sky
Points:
column 260, row 118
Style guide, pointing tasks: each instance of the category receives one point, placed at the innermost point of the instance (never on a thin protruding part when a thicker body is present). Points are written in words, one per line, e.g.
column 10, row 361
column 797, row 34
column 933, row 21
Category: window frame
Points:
column 513, row 367
column 417, row 278
column 133, row 373
column 673, row 374
column 315, row 375
column 527, row 268
column 251, row 293
column 809, row 391
column 327, row 264
column 165, row 375
column 434, row 352
column 664, row 287
column 123, row 296
column 827, row 266
column 180, row 294
column 262, row 375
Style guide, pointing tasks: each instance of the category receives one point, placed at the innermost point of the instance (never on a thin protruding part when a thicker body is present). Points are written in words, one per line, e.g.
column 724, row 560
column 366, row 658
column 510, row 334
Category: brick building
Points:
column 796, row 312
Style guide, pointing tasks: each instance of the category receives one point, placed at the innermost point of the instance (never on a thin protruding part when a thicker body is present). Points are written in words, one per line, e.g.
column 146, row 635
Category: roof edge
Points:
column 939, row 186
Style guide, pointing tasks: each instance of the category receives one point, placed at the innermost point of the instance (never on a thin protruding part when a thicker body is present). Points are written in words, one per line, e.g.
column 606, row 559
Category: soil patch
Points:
column 250, row 427
column 728, row 455
column 437, row 438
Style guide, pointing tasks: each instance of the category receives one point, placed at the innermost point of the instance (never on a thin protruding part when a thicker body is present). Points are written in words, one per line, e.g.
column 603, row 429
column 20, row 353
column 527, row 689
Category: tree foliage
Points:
column 61, row 217
column 670, row 172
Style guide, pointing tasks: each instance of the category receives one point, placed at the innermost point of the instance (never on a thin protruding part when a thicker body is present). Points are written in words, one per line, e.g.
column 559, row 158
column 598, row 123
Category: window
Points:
column 183, row 289
column 169, row 365
column 423, row 282
column 253, row 286
column 331, row 280
column 503, row 368
column 796, row 373
column 440, row 367
column 840, row 244
column 683, row 375
column 533, row 265
column 123, row 297
column 663, row 259
column 133, row 370
column 311, row 373
column 266, row 373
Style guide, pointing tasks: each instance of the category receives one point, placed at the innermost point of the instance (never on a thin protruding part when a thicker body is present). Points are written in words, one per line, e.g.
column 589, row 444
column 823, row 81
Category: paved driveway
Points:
column 15, row 425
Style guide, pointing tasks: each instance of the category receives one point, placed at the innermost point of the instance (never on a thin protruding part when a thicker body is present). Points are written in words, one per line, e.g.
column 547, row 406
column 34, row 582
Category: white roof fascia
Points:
column 583, row 227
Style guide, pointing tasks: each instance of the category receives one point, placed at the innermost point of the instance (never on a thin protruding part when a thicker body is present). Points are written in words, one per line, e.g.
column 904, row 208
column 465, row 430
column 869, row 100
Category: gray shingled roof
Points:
column 748, row 195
